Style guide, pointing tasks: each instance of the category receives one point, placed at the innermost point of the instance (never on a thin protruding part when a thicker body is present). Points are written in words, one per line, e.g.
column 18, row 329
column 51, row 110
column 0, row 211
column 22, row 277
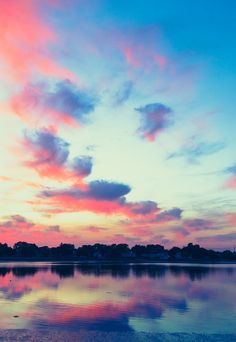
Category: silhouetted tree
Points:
column 5, row 251
column 175, row 253
column 25, row 249
column 138, row 251
column 121, row 252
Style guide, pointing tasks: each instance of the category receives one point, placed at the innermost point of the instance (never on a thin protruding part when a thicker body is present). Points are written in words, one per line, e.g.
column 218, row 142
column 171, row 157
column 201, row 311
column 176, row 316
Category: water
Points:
column 151, row 298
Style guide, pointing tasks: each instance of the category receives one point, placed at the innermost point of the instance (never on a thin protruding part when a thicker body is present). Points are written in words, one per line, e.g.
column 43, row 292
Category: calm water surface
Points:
column 152, row 298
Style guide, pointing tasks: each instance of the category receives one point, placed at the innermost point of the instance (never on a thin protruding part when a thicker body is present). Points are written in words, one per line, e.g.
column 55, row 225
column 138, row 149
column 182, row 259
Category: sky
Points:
column 118, row 122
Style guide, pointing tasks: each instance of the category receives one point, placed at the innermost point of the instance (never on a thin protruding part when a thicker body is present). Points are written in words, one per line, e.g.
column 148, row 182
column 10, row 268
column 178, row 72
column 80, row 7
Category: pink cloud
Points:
column 60, row 104
column 130, row 57
column 17, row 228
column 232, row 182
column 231, row 219
column 48, row 156
column 98, row 196
column 198, row 224
column 94, row 229
column 25, row 40
column 161, row 60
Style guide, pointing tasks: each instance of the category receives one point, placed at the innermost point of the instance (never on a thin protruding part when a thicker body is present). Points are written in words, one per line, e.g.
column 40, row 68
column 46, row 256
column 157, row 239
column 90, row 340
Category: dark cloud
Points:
column 46, row 148
column 144, row 207
column 123, row 93
column 67, row 98
column 169, row 215
column 231, row 169
column 103, row 190
column 198, row 224
column 99, row 190
column 49, row 157
column 181, row 231
column 220, row 237
column 155, row 118
column 194, row 149
column 99, row 196
column 18, row 218
column 64, row 102
column 226, row 237
column 54, row 228
column 82, row 166
column 16, row 221
column 7, row 224
column 94, row 229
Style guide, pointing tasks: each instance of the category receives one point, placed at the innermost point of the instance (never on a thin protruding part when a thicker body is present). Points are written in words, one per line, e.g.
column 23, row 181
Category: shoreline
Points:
column 118, row 262
column 100, row 336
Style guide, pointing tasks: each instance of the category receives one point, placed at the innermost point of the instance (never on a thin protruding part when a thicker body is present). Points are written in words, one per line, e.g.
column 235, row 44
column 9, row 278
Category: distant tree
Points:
column 66, row 250
column 5, row 250
column 175, row 253
column 228, row 255
column 154, row 249
column 121, row 251
column 85, row 251
column 44, row 251
column 138, row 251
column 24, row 249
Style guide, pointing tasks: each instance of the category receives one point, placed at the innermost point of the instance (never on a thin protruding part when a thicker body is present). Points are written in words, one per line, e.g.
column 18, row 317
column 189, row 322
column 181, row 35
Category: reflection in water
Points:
column 194, row 272
column 161, row 298
column 64, row 271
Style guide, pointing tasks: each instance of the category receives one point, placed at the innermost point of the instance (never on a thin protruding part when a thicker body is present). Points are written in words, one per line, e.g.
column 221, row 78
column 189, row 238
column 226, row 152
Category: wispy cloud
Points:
column 195, row 148
column 169, row 215
column 231, row 170
column 144, row 207
column 219, row 241
column 123, row 94
column 198, row 224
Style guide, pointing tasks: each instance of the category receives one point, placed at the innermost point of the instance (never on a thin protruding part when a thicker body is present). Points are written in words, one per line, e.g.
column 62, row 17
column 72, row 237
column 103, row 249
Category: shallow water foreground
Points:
column 112, row 302
column 97, row 336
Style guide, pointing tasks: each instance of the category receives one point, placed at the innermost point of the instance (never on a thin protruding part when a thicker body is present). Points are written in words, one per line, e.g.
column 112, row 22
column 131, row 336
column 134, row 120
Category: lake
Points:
column 149, row 298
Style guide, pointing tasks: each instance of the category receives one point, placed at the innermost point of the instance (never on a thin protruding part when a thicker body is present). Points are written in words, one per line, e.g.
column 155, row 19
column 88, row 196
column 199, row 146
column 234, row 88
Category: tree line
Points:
column 116, row 252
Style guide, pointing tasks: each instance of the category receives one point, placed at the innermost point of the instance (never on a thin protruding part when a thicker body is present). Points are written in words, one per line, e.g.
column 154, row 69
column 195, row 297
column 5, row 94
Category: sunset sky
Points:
column 118, row 122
